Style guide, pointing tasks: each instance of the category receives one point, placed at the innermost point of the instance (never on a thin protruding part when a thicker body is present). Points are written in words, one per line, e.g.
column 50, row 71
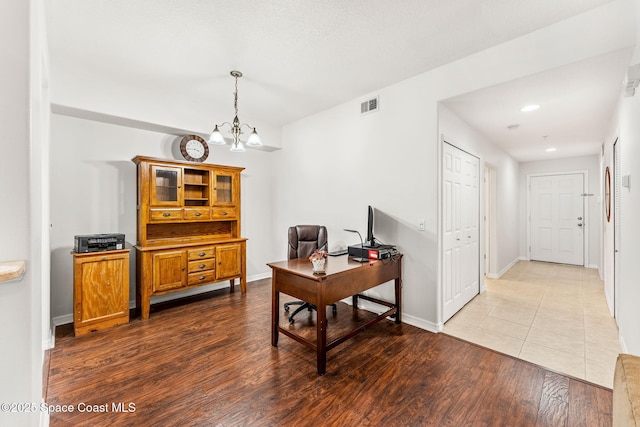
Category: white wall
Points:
column 629, row 291
column 466, row 138
column 93, row 186
column 626, row 127
column 593, row 204
column 20, row 301
column 389, row 158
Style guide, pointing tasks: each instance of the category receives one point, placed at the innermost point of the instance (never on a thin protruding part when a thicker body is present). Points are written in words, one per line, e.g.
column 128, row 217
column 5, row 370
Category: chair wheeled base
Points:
column 304, row 305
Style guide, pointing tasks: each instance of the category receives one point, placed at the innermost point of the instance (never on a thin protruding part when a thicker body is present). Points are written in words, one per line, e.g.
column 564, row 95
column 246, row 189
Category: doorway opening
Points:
column 490, row 222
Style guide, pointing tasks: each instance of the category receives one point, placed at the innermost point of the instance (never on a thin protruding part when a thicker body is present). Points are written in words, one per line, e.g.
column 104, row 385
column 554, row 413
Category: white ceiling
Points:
column 304, row 56
column 576, row 102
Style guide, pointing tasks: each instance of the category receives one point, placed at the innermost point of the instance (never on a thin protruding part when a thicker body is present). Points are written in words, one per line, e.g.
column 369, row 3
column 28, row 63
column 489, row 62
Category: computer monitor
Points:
column 371, row 241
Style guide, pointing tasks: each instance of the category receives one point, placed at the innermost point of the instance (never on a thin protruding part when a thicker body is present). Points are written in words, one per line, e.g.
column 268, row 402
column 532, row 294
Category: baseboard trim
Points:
column 44, row 416
column 406, row 318
column 623, row 345
column 49, row 342
column 422, row 324
column 504, row 270
column 65, row 319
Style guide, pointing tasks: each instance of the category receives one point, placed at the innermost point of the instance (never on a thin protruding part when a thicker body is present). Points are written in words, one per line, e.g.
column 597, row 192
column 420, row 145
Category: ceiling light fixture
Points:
column 216, row 137
column 532, row 107
column 549, row 150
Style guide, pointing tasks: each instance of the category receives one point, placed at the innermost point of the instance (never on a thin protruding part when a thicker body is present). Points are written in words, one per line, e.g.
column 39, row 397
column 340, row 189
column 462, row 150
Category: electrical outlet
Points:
column 421, row 225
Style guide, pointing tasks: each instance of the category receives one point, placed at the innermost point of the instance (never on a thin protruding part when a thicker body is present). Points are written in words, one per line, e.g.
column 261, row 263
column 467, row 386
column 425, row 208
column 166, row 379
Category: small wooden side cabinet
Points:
column 100, row 290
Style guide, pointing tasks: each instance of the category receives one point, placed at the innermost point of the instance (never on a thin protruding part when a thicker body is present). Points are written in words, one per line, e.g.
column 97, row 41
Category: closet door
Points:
column 461, row 231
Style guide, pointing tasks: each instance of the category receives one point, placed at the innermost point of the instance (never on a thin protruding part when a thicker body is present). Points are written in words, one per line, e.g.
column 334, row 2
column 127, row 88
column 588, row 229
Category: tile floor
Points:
column 552, row 315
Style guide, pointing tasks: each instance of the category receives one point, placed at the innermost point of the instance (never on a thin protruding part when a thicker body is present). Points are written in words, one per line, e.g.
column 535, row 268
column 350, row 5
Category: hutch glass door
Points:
column 223, row 191
column 165, row 186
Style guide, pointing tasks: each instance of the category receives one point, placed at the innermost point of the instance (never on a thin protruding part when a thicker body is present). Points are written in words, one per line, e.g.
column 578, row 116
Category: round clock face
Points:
column 194, row 148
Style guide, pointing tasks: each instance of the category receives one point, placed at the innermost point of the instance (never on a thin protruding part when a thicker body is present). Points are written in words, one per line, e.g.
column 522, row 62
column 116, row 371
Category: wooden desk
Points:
column 344, row 277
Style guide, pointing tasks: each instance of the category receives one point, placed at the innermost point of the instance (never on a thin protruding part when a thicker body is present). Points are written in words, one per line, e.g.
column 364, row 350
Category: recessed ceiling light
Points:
column 531, row 107
column 549, row 150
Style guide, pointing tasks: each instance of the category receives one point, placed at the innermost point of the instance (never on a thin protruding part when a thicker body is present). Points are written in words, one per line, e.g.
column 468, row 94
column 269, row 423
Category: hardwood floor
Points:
column 208, row 361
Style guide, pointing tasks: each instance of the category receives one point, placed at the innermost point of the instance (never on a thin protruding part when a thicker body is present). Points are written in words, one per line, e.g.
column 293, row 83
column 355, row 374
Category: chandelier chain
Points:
column 235, row 101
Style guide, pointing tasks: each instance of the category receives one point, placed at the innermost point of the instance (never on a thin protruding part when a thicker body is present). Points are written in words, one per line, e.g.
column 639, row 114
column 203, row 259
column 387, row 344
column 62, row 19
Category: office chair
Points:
column 303, row 240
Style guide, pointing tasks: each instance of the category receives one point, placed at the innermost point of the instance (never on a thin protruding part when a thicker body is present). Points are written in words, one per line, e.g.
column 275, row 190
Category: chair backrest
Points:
column 304, row 239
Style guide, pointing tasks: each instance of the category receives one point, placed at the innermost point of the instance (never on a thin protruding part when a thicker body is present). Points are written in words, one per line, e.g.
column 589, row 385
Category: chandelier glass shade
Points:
column 235, row 127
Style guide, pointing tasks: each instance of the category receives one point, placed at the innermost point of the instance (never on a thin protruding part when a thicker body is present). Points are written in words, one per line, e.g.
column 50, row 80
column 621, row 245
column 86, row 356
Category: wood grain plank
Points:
column 208, row 360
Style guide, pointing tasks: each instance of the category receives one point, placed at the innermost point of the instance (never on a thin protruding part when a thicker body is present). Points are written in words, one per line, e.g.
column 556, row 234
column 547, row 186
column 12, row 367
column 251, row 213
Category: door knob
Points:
column 579, row 218
column 579, row 224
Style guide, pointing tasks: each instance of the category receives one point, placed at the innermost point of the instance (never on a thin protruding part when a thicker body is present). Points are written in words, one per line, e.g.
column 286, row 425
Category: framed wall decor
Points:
column 607, row 193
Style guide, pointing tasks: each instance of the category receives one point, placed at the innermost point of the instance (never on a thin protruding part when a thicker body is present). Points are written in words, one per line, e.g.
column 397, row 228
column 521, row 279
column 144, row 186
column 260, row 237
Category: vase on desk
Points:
column 318, row 265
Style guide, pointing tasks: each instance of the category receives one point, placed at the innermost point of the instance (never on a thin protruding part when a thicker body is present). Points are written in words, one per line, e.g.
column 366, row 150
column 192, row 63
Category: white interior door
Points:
column 460, row 214
column 557, row 219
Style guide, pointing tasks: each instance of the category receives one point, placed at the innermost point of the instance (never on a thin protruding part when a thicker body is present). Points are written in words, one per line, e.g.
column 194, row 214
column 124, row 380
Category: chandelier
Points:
column 216, row 137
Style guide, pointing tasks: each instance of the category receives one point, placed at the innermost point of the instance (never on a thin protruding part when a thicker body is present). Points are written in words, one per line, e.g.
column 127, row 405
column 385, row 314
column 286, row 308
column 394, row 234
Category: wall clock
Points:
column 194, row 149
column 607, row 193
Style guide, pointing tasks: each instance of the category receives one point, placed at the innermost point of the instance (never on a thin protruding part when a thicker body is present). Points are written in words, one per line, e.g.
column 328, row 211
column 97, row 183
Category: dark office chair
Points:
column 303, row 240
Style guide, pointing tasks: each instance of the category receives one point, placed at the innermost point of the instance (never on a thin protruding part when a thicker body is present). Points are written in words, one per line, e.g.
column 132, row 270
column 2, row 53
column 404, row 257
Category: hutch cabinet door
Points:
column 101, row 290
column 169, row 270
column 166, row 186
column 229, row 259
column 225, row 188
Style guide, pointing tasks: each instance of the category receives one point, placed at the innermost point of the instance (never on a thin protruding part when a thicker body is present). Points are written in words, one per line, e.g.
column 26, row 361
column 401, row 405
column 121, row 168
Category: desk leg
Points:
column 321, row 342
column 354, row 301
column 275, row 311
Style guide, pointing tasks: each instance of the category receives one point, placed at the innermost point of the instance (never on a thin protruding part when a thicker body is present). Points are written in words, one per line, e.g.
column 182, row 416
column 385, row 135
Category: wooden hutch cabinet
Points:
column 188, row 228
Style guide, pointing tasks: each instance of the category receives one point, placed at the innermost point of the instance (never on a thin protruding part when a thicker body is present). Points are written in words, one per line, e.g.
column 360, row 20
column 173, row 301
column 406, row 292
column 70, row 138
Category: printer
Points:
column 98, row 242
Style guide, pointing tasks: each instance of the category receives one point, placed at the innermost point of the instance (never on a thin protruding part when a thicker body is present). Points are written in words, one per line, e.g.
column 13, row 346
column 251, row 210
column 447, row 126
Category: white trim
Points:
column 49, row 342
column 44, row 416
column 623, row 344
column 504, row 270
column 65, row 319
column 585, row 209
column 422, row 324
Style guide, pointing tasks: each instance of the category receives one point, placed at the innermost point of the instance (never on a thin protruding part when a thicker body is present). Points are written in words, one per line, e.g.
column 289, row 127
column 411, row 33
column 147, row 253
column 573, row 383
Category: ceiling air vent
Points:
column 370, row 105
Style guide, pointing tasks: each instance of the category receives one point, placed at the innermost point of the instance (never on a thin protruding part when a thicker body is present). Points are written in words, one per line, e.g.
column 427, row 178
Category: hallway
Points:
column 552, row 315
